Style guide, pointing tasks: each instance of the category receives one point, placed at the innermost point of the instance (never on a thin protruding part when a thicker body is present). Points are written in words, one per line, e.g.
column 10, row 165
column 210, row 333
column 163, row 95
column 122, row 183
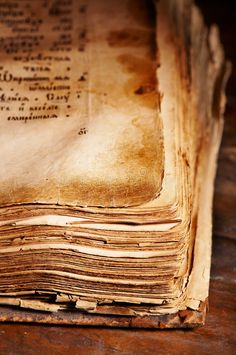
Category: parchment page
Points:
column 79, row 117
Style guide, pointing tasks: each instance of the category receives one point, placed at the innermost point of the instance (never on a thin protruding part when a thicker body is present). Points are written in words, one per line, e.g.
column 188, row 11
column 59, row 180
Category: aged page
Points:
column 79, row 117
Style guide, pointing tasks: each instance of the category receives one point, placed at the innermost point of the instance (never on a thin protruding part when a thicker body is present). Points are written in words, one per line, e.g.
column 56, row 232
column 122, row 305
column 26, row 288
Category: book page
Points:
column 79, row 119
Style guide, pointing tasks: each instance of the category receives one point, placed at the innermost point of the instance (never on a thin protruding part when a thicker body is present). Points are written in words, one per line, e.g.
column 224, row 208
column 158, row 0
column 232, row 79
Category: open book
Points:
column 111, row 119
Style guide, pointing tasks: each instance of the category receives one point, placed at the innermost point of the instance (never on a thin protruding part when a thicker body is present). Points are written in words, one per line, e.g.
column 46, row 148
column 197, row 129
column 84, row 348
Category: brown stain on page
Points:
column 142, row 84
column 146, row 158
column 78, row 192
column 133, row 37
column 141, row 181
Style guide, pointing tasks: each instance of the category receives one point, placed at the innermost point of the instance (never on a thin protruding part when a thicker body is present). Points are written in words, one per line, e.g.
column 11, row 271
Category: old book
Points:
column 111, row 119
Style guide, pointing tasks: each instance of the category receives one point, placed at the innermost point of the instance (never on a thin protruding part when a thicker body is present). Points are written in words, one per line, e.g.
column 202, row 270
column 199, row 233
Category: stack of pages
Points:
column 111, row 119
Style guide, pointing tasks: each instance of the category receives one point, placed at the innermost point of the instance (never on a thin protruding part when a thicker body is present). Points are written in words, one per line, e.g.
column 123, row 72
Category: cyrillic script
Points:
column 40, row 44
column 79, row 121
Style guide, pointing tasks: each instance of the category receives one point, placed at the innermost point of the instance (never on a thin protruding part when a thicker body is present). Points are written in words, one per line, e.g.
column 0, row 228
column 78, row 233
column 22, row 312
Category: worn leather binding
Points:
column 111, row 120
column 182, row 319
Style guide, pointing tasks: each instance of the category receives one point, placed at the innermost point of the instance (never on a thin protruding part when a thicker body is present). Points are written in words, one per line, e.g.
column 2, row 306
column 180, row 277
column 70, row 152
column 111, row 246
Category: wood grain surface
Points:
column 218, row 335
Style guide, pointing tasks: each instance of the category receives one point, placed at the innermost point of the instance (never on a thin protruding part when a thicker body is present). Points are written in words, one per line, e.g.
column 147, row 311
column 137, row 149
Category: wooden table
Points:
column 219, row 333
